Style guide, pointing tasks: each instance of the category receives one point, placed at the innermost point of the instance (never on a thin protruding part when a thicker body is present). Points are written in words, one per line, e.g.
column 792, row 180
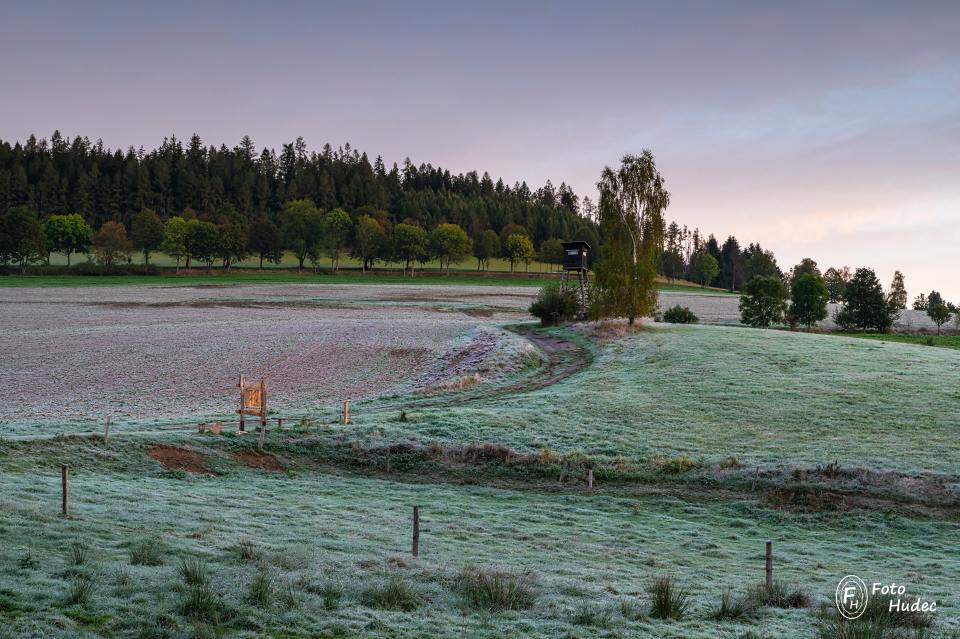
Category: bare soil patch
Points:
column 262, row 461
column 173, row 458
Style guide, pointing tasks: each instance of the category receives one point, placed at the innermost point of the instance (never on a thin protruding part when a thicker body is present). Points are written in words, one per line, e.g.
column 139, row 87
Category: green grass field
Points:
column 247, row 272
column 313, row 531
column 942, row 341
column 705, row 441
column 710, row 392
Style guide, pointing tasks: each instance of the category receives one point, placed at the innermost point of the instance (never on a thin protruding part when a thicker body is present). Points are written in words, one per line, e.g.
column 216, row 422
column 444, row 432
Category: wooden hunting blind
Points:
column 575, row 255
column 253, row 401
column 575, row 260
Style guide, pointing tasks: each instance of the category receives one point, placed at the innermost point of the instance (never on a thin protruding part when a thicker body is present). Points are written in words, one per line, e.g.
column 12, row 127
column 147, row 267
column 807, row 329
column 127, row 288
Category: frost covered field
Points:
column 146, row 354
column 704, row 442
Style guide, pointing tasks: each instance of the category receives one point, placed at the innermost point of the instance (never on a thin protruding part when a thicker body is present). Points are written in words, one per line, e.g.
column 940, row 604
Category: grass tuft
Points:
column 631, row 610
column 588, row 614
column 668, row 600
column 122, row 582
column 331, row 594
column 80, row 591
column 673, row 465
column 290, row 597
column 193, row 572
column 778, row 596
column 735, row 608
column 393, row 594
column 495, row 590
column 147, row 552
column 246, row 551
column 78, row 554
column 201, row 603
column 261, row 591
column 27, row 561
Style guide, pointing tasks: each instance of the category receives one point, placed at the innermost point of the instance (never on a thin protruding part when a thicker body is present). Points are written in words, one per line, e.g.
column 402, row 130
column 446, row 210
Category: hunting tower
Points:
column 575, row 260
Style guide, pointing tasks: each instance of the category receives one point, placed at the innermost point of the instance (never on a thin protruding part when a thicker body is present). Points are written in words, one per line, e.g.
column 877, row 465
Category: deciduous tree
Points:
column 147, row 232
column 632, row 201
column 22, row 237
column 519, row 248
column 264, row 241
column 939, row 313
column 67, row 234
column 110, row 243
column 370, row 241
column 486, row 247
column 763, row 302
column 449, row 242
column 336, row 230
column 898, row 292
column 203, row 242
column 410, row 243
column 175, row 239
column 808, row 299
column 866, row 307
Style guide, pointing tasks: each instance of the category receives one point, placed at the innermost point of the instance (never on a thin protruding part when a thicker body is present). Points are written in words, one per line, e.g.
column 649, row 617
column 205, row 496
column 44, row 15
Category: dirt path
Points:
column 564, row 358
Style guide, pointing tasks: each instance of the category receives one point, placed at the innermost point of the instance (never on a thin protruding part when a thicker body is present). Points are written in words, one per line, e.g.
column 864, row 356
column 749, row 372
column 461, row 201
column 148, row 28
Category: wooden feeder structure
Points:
column 253, row 401
column 575, row 260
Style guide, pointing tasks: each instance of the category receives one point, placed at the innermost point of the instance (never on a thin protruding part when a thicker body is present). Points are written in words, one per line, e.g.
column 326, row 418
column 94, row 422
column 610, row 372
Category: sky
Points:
column 825, row 130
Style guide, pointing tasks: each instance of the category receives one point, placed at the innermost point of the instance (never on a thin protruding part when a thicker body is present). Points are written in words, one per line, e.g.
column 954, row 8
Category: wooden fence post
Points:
column 106, row 430
column 769, row 565
column 590, row 478
column 346, row 411
column 263, row 430
column 65, row 485
column 415, row 550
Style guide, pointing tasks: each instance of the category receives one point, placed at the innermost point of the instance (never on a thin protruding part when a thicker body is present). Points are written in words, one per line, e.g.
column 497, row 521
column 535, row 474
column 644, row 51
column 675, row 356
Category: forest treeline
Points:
column 220, row 205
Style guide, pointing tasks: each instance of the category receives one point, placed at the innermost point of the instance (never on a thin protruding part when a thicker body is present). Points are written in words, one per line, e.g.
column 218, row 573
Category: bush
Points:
column 147, row 552
column 393, row 594
column 679, row 315
column 554, row 305
column 667, row 599
column 496, row 590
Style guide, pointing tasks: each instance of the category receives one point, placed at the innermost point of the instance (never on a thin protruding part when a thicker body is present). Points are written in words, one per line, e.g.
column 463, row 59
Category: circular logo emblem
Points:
column 852, row 596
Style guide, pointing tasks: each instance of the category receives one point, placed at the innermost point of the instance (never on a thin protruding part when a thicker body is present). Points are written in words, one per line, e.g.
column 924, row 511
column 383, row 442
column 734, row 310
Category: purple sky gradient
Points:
column 829, row 130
